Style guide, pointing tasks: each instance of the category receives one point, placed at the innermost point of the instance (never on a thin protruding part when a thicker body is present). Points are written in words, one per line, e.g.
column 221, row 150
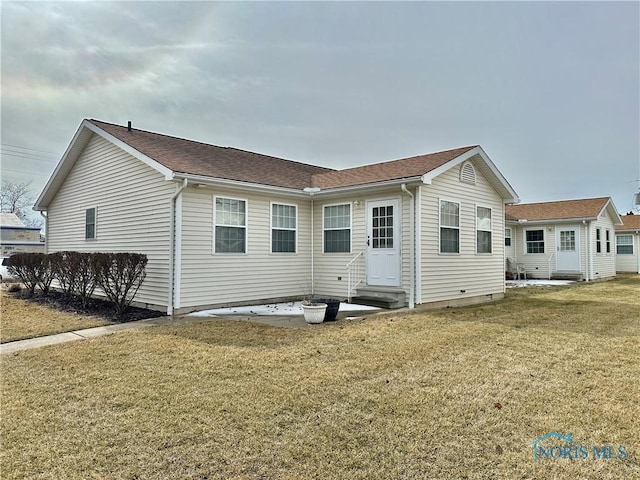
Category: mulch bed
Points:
column 94, row 307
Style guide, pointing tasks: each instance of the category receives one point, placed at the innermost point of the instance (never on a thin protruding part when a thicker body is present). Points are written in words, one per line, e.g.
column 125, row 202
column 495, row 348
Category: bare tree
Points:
column 18, row 198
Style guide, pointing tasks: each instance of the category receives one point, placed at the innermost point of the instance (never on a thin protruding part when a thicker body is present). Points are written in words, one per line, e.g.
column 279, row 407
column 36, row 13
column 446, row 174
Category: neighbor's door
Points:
column 383, row 242
column 568, row 248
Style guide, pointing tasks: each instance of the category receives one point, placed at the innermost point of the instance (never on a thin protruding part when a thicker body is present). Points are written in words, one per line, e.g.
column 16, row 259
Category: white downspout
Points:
column 313, row 286
column 418, row 243
column 412, row 260
column 590, row 254
column 172, row 245
column 637, row 250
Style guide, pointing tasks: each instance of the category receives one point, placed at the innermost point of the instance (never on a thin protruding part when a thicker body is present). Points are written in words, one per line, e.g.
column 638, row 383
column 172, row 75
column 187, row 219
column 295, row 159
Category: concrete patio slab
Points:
column 284, row 321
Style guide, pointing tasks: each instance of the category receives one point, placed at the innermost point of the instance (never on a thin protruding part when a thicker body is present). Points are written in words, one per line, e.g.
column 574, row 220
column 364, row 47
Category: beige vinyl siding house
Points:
column 131, row 202
column 223, row 226
column 571, row 239
column 627, row 244
column 447, row 277
column 266, row 276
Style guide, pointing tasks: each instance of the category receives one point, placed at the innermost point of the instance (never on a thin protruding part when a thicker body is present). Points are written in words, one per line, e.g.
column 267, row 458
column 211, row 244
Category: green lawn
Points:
column 456, row 393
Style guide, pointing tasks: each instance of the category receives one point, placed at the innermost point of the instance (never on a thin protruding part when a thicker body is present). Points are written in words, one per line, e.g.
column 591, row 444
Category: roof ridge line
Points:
column 213, row 145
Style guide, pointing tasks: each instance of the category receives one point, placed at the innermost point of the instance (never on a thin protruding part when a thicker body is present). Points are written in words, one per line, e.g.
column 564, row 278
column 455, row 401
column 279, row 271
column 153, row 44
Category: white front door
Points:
column 568, row 248
column 383, row 243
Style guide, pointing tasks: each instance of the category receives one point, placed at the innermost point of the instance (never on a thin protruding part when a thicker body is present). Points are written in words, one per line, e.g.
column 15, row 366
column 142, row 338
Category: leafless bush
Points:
column 119, row 275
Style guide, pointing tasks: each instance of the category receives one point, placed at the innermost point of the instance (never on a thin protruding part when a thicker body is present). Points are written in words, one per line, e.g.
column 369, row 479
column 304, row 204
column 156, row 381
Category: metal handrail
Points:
column 355, row 273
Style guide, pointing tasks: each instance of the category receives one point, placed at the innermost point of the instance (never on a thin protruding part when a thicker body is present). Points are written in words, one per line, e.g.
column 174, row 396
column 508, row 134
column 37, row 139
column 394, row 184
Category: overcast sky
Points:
column 549, row 90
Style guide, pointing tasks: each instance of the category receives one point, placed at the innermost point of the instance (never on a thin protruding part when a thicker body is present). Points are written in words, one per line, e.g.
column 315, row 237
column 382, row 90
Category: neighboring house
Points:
column 16, row 238
column 628, row 244
column 571, row 239
column 223, row 226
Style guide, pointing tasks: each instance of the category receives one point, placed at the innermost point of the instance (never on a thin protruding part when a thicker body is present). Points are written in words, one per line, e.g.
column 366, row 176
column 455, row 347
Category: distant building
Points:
column 16, row 238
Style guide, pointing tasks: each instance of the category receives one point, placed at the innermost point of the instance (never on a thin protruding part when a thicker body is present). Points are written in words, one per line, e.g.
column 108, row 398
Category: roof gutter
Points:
column 365, row 186
column 224, row 182
column 173, row 234
column 524, row 221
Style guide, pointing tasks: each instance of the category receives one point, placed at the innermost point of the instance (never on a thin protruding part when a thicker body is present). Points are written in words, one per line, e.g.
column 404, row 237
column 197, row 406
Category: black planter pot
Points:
column 333, row 305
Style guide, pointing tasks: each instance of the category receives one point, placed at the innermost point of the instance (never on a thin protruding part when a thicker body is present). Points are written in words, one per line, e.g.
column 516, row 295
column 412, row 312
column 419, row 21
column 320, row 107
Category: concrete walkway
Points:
column 287, row 321
column 75, row 335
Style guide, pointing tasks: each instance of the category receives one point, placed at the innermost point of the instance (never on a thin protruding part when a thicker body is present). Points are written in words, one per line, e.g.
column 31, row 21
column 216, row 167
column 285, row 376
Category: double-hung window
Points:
column 598, row 241
column 535, row 241
column 90, row 215
column 624, row 244
column 507, row 237
column 337, row 228
column 607, row 237
column 283, row 228
column 483, row 230
column 230, row 219
column 449, row 227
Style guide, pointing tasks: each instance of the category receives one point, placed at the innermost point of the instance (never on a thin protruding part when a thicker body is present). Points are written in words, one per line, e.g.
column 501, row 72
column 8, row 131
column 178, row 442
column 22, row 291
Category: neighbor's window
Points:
column 598, row 241
column 483, row 230
column 283, row 228
column 607, row 233
column 624, row 244
column 337, row 228
column 507, row 237
column 449, row 227
column 535, row 241
column 90, row 224
column 230, row 225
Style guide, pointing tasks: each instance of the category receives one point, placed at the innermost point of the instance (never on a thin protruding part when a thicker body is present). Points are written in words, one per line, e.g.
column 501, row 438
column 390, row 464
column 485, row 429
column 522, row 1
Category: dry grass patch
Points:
column 20, row 319
column 444, row 394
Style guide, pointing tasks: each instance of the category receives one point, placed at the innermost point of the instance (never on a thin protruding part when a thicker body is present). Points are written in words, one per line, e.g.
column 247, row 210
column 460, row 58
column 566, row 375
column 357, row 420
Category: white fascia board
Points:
column 613, row 212
column 73, row 151
column 237, row 184
column 62, row 167
column 512, row 196
column 167, row 172
column 428, row 177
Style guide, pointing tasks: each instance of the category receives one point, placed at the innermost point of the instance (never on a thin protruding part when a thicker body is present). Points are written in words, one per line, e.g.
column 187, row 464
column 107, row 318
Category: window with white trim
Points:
column 90, row 217
column 535, row 241
column 230, row 220
column 449, row 227
column 337, row 228
column 624, row 244
column 284, row 221
column 483, row 230
column 607, row 237
column 507, row 237
column 598, row 241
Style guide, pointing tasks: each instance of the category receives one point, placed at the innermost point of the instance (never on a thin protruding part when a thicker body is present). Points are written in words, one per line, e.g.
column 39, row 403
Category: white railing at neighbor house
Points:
column 355, row 273
column 549, row 265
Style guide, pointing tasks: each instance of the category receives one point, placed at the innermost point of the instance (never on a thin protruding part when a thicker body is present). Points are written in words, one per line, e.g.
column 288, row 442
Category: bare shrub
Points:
column 64, row 267
column 44, row 271
column 119, row 275
column 85, row 276
column 25, row 267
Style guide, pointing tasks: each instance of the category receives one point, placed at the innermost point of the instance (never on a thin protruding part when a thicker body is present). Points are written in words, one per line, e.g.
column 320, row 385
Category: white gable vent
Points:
column 468, row 173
